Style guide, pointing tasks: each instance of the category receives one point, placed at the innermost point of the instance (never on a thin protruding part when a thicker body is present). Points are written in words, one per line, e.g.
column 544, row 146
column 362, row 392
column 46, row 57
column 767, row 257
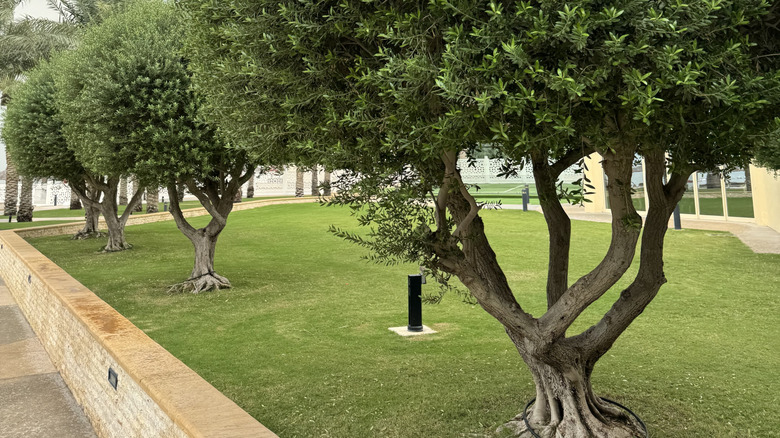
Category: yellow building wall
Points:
column 595, row 174
column 766, row 197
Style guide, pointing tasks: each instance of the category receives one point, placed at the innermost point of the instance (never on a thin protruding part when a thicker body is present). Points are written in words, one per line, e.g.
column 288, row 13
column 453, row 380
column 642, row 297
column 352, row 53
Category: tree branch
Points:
column 636, row 297
column 558, row 227
column 135, row 200
column 626, row 225
column 178, row 216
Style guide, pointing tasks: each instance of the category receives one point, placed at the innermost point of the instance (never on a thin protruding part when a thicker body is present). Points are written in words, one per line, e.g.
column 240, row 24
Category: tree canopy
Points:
column 393, row 92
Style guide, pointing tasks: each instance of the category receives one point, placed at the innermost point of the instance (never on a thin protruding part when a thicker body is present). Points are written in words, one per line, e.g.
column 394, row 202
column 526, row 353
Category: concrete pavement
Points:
column 34, row 400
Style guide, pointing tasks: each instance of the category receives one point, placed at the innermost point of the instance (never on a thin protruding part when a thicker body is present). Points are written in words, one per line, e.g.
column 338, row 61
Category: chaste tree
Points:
column 128, row 108
column 34, row 138
column 394, row 91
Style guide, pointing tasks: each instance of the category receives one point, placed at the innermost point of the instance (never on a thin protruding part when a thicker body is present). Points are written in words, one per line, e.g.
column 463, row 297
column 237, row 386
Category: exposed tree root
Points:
column 616, row 424
column 116, row 247
column 84, row 235
column 204, row 283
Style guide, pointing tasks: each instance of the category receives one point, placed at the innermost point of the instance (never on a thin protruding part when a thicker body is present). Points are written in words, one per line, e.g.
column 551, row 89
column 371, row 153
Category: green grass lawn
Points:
column 301, row 342
column 15, row 225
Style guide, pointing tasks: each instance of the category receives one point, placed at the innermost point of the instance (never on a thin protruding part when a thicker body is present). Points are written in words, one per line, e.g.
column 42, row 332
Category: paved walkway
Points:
column 762, row 240
column 34, row 400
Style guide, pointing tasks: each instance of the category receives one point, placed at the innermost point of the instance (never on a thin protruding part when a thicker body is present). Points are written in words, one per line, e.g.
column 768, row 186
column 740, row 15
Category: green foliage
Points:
column 125, row 91
column 33, row 130
column 128, row 104
column 386, row 89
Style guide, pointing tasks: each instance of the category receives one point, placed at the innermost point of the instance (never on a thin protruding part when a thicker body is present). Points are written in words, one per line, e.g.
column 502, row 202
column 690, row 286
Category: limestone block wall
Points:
column 156, row 395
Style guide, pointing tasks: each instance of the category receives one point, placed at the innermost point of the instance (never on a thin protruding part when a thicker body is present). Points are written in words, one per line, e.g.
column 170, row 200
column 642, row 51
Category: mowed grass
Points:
column 302, row 342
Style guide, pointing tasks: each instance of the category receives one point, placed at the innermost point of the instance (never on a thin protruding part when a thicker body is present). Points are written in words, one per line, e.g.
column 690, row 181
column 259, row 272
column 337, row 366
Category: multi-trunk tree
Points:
column 33, row 135
column 128, row 108
column 393, row 92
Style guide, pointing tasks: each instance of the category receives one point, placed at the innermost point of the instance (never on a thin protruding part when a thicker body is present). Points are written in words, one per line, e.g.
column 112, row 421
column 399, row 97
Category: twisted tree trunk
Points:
column 25, row 212
column 11, row 186
column 114, row 222
column 91, row 214
column 75, row 201
column 152, row 197
column 237, row 197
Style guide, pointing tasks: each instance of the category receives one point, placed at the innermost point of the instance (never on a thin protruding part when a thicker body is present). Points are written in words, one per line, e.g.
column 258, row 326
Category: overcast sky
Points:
column 30, row 8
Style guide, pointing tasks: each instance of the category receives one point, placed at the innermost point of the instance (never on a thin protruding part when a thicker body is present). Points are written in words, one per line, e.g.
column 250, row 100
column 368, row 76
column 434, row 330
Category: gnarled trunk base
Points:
column 84, row 235
column 207, row 282
column 565, row 405
column 203, row 278
column 612, row 423
column 90, row 230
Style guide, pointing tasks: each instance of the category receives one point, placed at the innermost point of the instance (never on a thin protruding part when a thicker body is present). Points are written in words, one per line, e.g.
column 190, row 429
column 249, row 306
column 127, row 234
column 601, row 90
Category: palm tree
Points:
column 152, row 196
column 23, row 43
column 315, row 189
column 25, row 212
column 298, row 182
column 123, row 191
column 326, row 183
column 11, row 187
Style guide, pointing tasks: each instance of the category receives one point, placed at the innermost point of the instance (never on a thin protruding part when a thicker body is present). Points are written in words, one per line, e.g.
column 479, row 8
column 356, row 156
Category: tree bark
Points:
column 179, row 192
column 315, row 189
column 152, row 197
column 91, row 221
column 298, row 183
column 326, row 184
column 11, row 186
column 114, row 222
column 75, row 201
column 250, row 186
column 123, row 191
column 237, row 196
column 204, row 241
column 565, row 405
column 25, row 212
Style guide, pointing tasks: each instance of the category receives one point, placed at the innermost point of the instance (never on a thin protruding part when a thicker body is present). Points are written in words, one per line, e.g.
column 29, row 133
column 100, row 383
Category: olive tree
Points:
column 33, row 136
column 130, row 109
column 393, row 92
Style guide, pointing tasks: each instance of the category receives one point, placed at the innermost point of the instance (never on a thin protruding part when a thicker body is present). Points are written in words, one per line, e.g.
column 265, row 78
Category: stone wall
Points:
column 156, row 395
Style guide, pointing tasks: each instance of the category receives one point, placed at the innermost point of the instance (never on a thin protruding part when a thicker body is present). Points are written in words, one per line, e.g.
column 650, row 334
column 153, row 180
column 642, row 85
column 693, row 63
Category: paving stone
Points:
column 13, row 326
column 40, row 406
column 24, row 358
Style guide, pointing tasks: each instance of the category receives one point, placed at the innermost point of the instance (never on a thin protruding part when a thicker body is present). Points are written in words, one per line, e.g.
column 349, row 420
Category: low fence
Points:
column 127, row 384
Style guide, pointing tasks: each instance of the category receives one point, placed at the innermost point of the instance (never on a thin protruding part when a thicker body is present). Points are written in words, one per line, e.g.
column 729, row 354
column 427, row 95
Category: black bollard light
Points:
column 55, row 200
column 415, row 303
column 676, row 215
column 526, row 196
